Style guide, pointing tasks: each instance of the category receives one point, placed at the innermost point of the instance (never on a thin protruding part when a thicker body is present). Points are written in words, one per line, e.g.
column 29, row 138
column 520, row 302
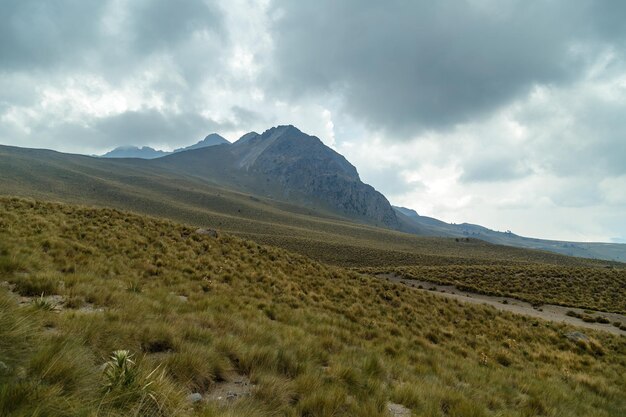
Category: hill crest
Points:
column 147, row 152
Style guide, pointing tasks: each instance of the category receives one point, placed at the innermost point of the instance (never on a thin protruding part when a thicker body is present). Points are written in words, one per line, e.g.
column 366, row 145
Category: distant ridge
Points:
column 434, row 227
column 147, row 152
column 211, row 140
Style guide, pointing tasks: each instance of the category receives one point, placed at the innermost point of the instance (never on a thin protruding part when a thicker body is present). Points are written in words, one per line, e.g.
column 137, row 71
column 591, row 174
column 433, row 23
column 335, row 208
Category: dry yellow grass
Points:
column 597, row 288
column 314, row 340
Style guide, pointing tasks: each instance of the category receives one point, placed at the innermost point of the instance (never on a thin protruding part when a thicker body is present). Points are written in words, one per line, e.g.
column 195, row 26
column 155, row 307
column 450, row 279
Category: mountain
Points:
column 289, row 165
column 303, row 167
column 142, row 186
column 145, row 152
column 406, row 211
column 282, row 187
column 435, row 227
column 211, row 140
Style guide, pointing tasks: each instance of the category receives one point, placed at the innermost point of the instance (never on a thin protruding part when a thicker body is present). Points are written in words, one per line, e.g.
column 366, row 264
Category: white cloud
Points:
column 550, row 164
column 481, row 122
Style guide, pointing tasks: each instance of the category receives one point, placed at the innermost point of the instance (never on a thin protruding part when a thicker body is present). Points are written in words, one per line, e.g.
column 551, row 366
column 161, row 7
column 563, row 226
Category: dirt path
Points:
column 546, row 311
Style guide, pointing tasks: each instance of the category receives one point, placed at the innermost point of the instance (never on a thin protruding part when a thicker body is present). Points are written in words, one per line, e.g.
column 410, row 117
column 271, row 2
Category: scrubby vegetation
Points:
column 147, row 311
column 597, row 288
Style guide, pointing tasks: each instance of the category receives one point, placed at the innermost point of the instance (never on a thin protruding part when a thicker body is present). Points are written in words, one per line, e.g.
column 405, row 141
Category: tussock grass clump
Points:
column 16, row 332
column 158, row 338
column 199, row 367
column 37, row 284
column 8, row 265
column 313, row 340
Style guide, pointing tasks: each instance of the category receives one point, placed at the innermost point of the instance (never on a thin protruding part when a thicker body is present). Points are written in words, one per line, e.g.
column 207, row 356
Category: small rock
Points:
column 398, row 410
column 194, row 398
column 90, row 308
column 208, row 232
column 181, row 298
column 576, row 336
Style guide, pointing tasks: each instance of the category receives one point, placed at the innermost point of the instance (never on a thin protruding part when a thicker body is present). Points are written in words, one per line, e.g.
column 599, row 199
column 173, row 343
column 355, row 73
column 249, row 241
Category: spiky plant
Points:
column 131, row 387
column 42, row 303
column 120, row 370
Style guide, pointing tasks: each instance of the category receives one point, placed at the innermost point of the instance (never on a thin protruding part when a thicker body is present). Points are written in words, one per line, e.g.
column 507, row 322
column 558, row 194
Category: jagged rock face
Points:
column 306, row 168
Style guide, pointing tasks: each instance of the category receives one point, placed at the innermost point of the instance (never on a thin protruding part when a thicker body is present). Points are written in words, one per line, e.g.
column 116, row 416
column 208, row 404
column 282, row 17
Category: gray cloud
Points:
column 151, row 126
column 577, row 132
column 511, row 103
column 37, row 35
column 505, row 167
column 153, row 50
column 390, row 180
column 580, row 193
column 406, row 66
column 112, row 39
column 604, row 139
column 16, row 90
column 245, row 116
column 141, row 128
column 155, row 24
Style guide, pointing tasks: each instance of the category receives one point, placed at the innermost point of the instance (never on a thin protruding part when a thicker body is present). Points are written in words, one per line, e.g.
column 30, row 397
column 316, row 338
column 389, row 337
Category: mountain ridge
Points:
column 281, row 164
column 435, row 227
column 147, row 152
column 212, row 139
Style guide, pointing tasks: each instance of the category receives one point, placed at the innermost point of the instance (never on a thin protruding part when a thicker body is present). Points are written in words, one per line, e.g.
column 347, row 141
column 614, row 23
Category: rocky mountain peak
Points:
column 310, row 171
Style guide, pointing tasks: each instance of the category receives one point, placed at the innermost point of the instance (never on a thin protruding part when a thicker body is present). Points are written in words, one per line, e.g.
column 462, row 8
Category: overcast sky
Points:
column 509, row 114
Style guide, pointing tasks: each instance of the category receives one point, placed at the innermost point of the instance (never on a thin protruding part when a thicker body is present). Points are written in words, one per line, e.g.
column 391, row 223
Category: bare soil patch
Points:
column 548, row 312
column 237, row 388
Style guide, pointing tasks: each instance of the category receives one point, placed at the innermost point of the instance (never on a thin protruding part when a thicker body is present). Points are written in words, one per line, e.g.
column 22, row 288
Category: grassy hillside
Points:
column 199, row 314
column 136, row 185
column 601, row 289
